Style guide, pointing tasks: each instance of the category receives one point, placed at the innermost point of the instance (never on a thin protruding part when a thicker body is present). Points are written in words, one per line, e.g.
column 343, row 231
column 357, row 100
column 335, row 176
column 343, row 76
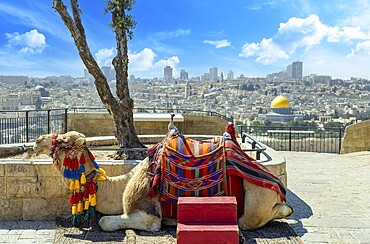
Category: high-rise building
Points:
column 87, row 75
column 132, row 78
column 289, row 71
column 297, row 70
column 187, row 90
column 184, row 75
column 213, row 74
column 230, row 75
column 205, row 77
column 167, row 74
column 106, row 71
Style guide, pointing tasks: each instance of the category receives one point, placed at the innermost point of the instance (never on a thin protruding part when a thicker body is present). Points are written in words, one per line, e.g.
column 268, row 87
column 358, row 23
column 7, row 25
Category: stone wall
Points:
column 356, row 138
column 103, row 125
column 36, row 190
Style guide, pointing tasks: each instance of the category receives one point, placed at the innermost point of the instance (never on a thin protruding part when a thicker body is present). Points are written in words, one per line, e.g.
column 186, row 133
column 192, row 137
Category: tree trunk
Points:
column 121, row 107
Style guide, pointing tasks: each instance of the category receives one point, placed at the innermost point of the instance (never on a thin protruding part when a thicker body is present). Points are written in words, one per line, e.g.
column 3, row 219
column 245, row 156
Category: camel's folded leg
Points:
column 138, row 220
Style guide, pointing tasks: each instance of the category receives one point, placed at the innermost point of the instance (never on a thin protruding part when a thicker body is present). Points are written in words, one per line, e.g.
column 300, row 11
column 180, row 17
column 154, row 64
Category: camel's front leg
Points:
column 139, row 220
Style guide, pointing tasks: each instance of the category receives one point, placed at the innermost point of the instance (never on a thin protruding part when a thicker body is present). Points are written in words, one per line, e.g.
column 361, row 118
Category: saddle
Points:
column 183, row 167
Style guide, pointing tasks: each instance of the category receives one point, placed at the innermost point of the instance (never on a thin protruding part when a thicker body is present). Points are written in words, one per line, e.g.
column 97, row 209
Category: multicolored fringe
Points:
column 177, row 152
column 83, row 198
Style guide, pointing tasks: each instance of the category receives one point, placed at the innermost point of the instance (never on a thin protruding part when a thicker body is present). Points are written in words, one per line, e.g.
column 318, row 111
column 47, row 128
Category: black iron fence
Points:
column 306, row 139
column 26, row 126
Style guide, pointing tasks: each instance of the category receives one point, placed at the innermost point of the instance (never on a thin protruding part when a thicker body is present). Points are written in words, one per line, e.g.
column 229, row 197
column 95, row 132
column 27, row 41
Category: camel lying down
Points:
column 127, row 202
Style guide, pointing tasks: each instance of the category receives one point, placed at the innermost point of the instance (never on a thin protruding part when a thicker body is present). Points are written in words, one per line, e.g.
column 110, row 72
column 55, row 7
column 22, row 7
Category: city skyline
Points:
column 254, row 38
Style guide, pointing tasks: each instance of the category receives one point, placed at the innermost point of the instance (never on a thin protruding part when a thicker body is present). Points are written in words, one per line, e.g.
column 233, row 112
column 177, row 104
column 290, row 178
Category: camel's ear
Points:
column 41, row 138
column 80, row 141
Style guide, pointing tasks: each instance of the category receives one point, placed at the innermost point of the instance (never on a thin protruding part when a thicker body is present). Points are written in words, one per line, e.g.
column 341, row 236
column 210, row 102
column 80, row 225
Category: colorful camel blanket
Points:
column 180, row 166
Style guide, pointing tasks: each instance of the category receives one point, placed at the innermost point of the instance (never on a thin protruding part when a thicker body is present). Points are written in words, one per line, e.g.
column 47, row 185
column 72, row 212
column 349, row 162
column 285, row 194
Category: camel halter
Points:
column 83, row 197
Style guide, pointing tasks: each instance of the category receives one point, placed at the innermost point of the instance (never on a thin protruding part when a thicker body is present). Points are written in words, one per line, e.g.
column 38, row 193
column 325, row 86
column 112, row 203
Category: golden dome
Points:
column 280, row 102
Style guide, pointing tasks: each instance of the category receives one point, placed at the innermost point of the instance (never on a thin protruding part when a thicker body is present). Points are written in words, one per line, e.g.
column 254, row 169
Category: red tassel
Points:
column 94, row 186
column 79, row 196
column 86, row 193
column 91, row 188
column 69, row 165
column 73, row 199
column 91, row 156
column 82, row 159
column 65, row 162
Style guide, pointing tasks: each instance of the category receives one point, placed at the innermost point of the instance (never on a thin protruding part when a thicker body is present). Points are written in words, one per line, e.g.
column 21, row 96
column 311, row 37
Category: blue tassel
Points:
column 65, row 174
column 82, row 168
column 96, row 165
column 76, row 174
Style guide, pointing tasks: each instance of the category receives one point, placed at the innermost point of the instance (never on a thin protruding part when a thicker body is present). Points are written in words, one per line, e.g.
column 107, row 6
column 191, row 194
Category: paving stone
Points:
column 9, row 238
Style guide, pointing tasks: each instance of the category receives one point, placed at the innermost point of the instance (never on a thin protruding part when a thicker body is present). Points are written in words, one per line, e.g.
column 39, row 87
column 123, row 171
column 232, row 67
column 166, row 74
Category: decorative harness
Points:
column 83, row 197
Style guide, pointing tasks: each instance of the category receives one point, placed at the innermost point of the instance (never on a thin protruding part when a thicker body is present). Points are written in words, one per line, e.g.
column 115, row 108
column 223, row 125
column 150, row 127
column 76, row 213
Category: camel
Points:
column 126, row 201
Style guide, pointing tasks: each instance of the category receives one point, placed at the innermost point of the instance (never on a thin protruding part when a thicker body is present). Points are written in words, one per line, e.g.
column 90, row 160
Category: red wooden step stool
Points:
column 207, row 220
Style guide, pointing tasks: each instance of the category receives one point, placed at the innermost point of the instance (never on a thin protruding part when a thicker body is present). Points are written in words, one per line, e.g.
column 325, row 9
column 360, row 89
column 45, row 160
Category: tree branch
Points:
column 77, row 17
column 79, row 38
column 120, row 61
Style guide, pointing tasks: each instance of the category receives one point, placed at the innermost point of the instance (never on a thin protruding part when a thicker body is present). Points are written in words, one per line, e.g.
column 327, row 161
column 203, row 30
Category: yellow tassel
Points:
column 74, row 209
column 101, row 178
column 101, row 170
column 86, row 205
column 72, row 185
column 83, row 179
column 77, row 184
column 79, row 207
column 90, row 196
column 93, row 200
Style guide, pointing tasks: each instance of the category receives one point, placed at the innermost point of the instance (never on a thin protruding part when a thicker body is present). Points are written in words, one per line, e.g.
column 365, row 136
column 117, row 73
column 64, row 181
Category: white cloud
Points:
column 345, row 34
column 143, row 63
column 361, row 48
column 104, row 57
column 218, row 44
column 172, row 34
column 267, row 51
column 30, row 42
column 301, row 33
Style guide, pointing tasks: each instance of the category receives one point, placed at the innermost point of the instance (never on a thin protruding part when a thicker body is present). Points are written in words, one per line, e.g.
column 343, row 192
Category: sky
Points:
column 250, row 37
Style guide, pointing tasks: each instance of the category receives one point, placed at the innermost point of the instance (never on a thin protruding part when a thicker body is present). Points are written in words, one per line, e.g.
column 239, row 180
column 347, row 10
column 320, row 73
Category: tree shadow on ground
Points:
column 301, row 211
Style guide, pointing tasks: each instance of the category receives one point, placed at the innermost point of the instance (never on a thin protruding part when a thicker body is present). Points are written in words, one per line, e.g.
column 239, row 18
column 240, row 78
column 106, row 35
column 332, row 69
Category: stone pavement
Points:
column 27, row 231
column 331, row 196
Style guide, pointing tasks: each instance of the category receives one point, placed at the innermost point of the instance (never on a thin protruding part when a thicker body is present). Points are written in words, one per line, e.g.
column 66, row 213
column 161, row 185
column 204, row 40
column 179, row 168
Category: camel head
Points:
column 45, row 143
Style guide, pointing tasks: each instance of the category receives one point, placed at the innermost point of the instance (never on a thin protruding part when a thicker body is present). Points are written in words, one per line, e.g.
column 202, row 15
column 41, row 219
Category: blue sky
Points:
column 253, row 37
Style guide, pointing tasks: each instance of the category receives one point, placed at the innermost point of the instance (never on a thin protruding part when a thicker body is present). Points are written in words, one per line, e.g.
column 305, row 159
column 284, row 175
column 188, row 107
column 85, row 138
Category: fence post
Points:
column 290, row 138
column 27, row 121
column 48, row 121
column 340, row 139
column 65, row 120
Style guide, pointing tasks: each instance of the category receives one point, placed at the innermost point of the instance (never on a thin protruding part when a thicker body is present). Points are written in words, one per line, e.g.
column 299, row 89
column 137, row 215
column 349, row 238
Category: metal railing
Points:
column 307, row 139
column 256, row 145
column 157, row 110
column 25, row 126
